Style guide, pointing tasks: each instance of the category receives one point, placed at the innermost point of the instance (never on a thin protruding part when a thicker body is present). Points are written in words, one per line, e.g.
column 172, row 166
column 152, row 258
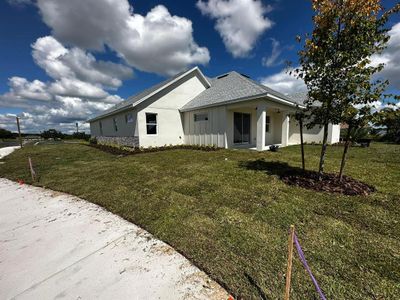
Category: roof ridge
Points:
column 143, row 95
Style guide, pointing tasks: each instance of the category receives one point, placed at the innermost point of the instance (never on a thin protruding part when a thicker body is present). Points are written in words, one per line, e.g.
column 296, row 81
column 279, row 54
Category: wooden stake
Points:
column 289, row 262
column 31, row 169
column 19, row 133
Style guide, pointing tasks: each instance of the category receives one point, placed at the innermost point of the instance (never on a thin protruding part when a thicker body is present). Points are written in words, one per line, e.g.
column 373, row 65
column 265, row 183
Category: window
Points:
column 267, row 123
column 128, row 118
column 115, row 124
column 201, row 117
column 151, row 123
column 101, row 128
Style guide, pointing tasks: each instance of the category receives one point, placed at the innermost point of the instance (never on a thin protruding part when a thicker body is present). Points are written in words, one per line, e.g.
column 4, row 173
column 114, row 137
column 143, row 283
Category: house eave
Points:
column 255, row 97
column 121, row 109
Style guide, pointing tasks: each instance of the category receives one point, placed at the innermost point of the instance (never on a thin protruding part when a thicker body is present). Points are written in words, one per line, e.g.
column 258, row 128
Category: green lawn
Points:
column 232, row 220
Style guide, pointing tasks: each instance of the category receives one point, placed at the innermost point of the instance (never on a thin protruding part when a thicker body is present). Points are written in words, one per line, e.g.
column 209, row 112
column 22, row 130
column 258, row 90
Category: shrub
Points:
column 93, row 141
column 125, row 150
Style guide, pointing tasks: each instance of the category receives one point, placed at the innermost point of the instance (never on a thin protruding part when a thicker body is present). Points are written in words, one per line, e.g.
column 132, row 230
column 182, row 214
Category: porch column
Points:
column 261, row 119
column 285, row 130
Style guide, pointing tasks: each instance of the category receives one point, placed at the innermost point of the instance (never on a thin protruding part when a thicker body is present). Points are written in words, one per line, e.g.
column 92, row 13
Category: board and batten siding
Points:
column 206, row 132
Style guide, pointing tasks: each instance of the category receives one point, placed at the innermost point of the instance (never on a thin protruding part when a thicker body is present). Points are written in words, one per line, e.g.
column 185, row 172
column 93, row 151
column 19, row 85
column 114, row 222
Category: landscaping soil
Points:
column 329, row 183
column 121, row 151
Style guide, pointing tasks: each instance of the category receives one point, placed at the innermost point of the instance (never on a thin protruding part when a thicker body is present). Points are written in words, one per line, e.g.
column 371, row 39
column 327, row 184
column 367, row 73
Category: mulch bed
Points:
column 120, row 151
column 329, row 183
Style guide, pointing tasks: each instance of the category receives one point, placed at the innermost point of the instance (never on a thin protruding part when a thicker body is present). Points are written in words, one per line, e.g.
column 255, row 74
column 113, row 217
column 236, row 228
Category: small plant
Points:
column 127, row 150
column 273, row 148
column 93, row 140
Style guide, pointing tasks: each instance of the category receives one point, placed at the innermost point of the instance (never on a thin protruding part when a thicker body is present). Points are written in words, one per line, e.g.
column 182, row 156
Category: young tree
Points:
column 335, row 60
column 299, row 116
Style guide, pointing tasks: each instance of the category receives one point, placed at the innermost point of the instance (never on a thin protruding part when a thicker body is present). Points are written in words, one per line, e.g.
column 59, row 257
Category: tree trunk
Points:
column 302, row 144
column 323, row 151
column 344, row 156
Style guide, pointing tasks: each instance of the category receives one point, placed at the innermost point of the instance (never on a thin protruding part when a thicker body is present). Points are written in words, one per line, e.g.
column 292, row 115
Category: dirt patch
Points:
column 329, row 183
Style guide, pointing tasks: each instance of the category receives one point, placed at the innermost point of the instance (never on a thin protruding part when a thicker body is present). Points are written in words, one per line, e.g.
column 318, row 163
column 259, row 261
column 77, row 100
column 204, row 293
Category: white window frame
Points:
column 156, row 123
column 115, row 124
column 128, row 118
column 204, row 116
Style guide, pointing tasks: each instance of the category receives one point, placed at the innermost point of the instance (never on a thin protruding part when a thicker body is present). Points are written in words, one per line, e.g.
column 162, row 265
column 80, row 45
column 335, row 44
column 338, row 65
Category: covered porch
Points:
column 258, row 125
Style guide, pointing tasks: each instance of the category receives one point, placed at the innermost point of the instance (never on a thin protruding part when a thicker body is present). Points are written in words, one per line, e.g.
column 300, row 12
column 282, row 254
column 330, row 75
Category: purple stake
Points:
column 305, row 264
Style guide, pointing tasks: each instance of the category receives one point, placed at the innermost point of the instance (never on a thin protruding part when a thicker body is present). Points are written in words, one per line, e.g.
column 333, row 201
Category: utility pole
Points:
column 76, row 127
column 19, row 132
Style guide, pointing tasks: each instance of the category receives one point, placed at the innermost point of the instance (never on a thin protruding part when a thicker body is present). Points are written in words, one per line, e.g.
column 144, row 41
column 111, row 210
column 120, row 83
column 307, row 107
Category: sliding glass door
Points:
column 241, row 128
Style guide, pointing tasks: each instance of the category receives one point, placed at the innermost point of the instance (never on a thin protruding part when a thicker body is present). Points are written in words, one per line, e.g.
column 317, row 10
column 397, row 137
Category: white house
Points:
column 229, row 111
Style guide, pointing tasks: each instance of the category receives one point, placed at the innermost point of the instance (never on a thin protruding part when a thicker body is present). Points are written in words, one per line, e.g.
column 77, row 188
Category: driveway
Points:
column 56, row 246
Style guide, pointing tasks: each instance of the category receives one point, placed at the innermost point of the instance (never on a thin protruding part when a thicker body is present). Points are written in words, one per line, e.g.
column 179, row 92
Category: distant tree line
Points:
column 47, row 134
column 55, row 134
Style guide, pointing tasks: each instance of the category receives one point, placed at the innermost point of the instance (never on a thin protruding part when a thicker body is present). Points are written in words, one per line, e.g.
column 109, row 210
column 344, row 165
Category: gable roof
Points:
column 142, row 96
column 234, row 87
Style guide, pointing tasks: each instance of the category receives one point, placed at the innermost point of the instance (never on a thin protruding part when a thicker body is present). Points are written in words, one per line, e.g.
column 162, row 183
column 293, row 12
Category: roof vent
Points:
column 222, row 76
column 244, row 75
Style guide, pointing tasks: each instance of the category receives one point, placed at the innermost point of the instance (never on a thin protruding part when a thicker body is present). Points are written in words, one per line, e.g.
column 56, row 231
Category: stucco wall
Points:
column 334, row 134
column 314, row 134
column 208, row 132
column 169, row 119
column 124, row 129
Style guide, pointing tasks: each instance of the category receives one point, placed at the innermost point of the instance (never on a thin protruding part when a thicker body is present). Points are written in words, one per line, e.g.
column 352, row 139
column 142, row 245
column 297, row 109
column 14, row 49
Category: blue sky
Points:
column 48, row 48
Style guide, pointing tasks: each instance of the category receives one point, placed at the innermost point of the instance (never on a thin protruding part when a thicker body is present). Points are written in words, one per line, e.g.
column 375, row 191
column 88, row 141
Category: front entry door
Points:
column 241, row 128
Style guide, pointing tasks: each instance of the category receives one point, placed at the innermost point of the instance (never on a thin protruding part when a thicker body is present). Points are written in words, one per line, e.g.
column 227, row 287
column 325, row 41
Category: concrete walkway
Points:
column 7, row 150
column 56, row 246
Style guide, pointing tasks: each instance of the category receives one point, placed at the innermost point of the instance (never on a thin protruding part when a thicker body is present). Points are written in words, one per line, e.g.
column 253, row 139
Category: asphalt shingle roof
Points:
column 299, row 97
column 229, row 87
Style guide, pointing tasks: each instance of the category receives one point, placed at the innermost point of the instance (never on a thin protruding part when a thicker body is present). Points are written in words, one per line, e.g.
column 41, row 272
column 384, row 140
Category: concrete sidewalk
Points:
column 7, row 150
column 54, row 246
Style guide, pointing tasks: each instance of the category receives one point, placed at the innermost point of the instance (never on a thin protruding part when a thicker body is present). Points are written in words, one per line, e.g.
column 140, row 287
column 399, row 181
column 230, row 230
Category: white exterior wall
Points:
column 333, row 134
column 169, row 119
column 312, row 135
column 210, row 132
column 124, row 129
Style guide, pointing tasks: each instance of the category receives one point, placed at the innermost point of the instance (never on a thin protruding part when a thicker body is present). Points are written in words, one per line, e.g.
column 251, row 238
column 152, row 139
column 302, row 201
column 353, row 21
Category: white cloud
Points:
column 77, row 90
column 274, row 58
column 61, row 114
column 60, row 62
column 21, row 88
column 276, row 51
column 157, row 42
column 284, row 82
column 239, row 22
column 391, row 58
